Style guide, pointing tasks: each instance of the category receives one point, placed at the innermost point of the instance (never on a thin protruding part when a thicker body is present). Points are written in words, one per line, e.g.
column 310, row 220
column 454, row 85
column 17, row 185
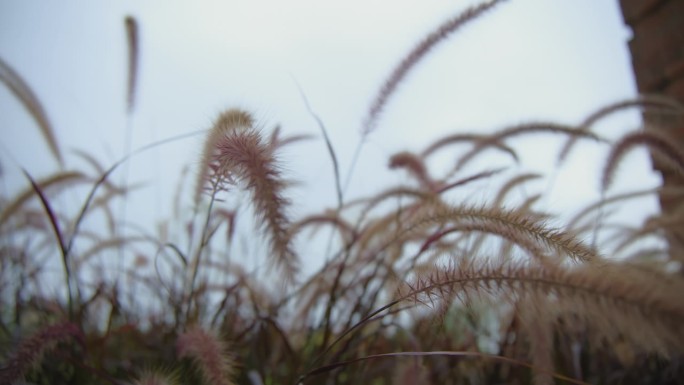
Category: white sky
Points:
column 526, row 60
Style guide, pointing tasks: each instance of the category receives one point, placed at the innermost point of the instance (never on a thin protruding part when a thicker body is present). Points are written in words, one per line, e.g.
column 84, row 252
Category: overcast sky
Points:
column 526, row 60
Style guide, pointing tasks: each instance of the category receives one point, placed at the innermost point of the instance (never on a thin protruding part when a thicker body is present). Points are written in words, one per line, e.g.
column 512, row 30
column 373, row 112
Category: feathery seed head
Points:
column 230, row 120
column 149, row 377
column 30, row 351
column 414, row 165
column 209, row 354
column 235, row 152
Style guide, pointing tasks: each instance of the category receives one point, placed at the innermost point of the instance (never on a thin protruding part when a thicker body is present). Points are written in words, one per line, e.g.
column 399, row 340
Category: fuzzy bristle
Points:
column 30, row 352
column 210, row 355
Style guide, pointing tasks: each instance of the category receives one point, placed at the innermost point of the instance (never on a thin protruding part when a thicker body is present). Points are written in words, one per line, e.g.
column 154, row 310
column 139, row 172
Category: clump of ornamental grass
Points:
column 420, row 284
column 606, row 301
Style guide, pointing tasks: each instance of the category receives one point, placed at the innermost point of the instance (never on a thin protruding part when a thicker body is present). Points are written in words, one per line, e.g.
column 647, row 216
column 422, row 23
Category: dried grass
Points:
column 422, row 284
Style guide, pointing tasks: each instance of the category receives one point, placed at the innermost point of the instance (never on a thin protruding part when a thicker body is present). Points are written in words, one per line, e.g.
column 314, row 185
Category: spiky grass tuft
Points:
column 150, row 377
column 209, row 353
column 660, row 144
column 235, row 152
column 605, row 303
column 29, row 353
column 228, row 121
column 419, row 52
column 23, row 92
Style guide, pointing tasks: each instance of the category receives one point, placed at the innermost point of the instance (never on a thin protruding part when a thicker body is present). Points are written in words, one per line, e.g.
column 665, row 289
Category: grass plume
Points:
column 23, row 92
column 209, row 354
column 420, row 51
column 30, row 351
column 660, row 145
column 235, row 152
column 132, row 39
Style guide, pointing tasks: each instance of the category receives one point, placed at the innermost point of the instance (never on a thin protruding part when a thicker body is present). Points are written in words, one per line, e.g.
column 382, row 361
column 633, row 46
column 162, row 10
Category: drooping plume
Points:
column 236, row 153
column 417, row 53
column 23, row 92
